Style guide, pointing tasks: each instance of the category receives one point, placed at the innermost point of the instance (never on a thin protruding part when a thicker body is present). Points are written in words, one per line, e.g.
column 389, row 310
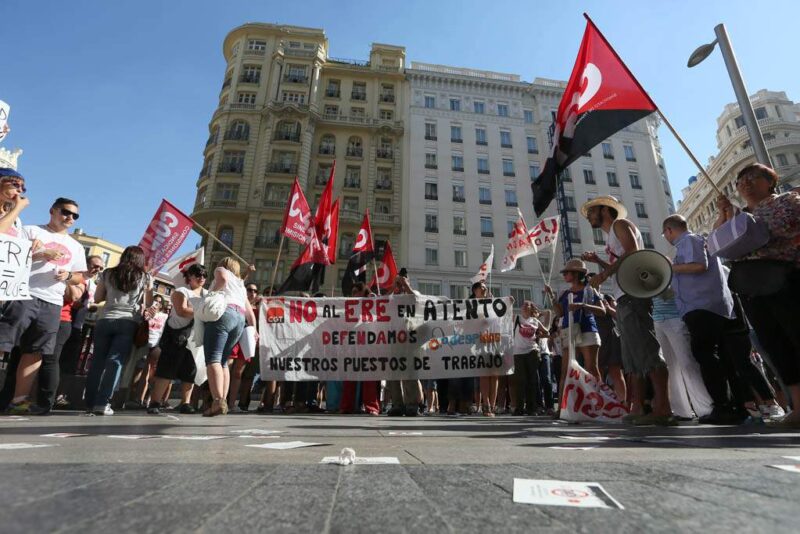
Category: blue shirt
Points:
column 664, row 309
column 582, row 317
column 704, row 291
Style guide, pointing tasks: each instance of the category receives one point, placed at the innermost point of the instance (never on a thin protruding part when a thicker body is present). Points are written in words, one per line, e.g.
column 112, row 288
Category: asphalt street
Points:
column 133, row 472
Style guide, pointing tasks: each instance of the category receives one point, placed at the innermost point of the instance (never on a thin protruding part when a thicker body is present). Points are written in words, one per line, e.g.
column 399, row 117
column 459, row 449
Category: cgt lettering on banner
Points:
column 165, row 234
column 15, row 268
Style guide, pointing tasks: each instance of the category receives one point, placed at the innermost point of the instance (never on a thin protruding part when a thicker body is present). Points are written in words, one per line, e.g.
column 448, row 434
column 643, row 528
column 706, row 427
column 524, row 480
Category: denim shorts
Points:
column 221, row 335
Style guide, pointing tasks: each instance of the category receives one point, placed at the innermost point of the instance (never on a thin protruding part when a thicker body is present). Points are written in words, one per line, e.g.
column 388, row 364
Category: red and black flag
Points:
column 363, row 252
column 601, row 98
column 308, row 271
column 383, row 282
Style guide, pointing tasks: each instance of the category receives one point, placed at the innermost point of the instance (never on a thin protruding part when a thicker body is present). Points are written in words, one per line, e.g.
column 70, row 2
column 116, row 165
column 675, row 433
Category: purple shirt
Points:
column 704, row 291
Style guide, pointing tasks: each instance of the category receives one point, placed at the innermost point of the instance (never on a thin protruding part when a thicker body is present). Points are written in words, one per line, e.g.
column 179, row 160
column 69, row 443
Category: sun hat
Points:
column 575, row 265
column 605, row 200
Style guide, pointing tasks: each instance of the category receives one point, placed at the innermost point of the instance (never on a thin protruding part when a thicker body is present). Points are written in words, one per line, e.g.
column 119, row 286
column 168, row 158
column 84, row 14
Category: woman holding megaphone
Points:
column 586, row 303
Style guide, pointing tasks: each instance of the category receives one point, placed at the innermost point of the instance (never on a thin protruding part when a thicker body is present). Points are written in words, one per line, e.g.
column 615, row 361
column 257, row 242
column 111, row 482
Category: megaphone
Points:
column 644, row 274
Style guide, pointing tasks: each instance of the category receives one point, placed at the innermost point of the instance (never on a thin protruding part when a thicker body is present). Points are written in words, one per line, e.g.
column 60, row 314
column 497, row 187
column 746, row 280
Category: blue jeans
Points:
column 221, row 335
column 113, row 340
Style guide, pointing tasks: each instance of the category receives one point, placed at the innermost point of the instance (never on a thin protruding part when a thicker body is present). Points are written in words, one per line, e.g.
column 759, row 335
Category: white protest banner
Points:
column 5, row 109
column 385, row 338
column 519, row 245
column 545, row 234
column 585, row 399
column 15, row 268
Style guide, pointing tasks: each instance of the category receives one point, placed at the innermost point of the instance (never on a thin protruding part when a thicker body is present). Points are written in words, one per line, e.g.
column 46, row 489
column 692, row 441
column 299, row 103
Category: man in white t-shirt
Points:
column 58, row 261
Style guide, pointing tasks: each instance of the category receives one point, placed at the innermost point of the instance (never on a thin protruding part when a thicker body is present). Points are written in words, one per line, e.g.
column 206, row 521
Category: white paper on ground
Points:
column 257, row 431
column 132, row 436
column 63, row 435
column 193, row 438
column 568, row 448
column 588, row 438
column 405, row 433
column 249, row 436
column 790, row 468
column 362, row 461
column 284, row 445
column 13, row 446
column 14, row 418
column 793, row 458
column 563, row 493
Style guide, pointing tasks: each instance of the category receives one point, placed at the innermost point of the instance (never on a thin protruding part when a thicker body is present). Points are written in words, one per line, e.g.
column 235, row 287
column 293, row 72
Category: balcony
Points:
column 506, row 145
column 249, row 78
column 431, row 166
column 387, row 98
column 291, row 78
column 512, row 203
column 483, row 171
column 264, row 241
column 431, row 197
column 459, row 231
column 350, row 215
column 385, row 218
column 457, row 198
column 533, row 151
column 327, row 150
column 276, row 204
column 223, row 203
column 487, row 234
column 237, row 136
column 241, row 107
column 278, row 167
column 254, row 52
column 509, row 173
column 457, row 169
column 226, row 84
column 297, row 52
column 481, row 143
column 331, row 93
column 432, row 229
column 383, row 185
column 355, row 152
column 385, row 153
column 293, row 137
column 231, row 168
column 352, row 184
column 456, row 140
column 608, row 156
column 211, row 141
column 358, row 95
column 431, row 138
column 485, row 201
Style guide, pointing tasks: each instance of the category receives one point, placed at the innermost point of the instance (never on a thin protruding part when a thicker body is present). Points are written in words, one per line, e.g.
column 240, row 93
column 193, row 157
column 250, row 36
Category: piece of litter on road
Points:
column 377, row 460
column 284, row 445
column 132, row 436
column 793, row 458
column 249, row 436
column 790, row 468
column 568, row 448
column 173, row 417
column 405, row 433
column 193, row 438
column 257, row 431
column 346, row 457
column 563, row 493
column 14, row 418
column 13, row 446
column 63, row 435
column 587, row 438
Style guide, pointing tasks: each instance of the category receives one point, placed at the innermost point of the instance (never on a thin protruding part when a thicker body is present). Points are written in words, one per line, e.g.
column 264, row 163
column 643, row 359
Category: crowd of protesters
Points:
column 722, row 345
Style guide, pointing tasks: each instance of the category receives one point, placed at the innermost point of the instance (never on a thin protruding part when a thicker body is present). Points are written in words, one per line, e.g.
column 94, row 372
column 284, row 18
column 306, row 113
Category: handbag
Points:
column 212, row 308
column 759, row 278
column 142, row 334
column 738, row 237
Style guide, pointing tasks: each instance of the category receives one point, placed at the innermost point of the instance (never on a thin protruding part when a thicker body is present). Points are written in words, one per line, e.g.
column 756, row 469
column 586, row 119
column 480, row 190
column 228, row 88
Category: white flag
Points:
column 175, row 268
column 545, row 234
column 4, row 110
column 519, row 245
column 486, row 267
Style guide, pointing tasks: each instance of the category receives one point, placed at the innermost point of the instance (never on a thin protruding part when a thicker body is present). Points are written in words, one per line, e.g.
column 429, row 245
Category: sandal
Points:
column 218, row 407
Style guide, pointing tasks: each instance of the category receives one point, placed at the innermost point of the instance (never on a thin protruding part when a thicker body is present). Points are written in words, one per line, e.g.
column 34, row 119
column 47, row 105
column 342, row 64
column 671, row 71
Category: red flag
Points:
column 297, row 216
column 332, row 232
column 325, row 202
column 387, row 271
column 601, row 98
column 364, row 239
column 165, row 234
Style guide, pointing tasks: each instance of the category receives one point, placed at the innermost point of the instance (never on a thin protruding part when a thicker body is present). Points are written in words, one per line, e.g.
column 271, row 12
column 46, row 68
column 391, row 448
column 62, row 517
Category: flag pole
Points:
column 275, row 267
column 552, row 262
column 658, row 109
column 215, row 238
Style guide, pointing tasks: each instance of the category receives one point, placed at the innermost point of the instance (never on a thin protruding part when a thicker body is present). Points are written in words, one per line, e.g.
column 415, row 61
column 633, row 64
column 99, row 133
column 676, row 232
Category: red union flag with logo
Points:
column 545, row 234
column 386, row 272
column 486, row 268
column 601, row 98
column 165, row 234
column 297, row 216
column 519, row 245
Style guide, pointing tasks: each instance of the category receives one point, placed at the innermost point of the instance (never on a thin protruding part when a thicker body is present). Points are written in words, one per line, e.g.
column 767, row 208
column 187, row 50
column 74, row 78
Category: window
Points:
column 387, row 93
column 480, row 136
column 201, row 196
column 430, row 131
column 574, row 235
column 431, row 191
column 295, row 74
column 430, row 160
column 276, row 193
column 431, row 256
column 380, row 244
column 485, row 195
column 629, row 155
column 226, row 235
column 528, row 114
column 544, row 263
column 383, row 205
column 334, row 88
column 349, row 204
column 354, row 147
column 612, row 179
column 331, row 111
column 250, row 74
column 455, row 134
column 566, row 176
column 357, row 113
column 608, row 151
column 478, row 107
column 483, row 165
column 460, row 258
column 430, row 101
column 511, row 197
column 269, row 234
column 486, row 227
column 520, row 295
column 386, row 114
column 385, row 149
column 429, row 288
column 588, row 177
column 458, row 193
column 782, row 161
column 635, row 180
column 508, row 167
column 502, row 110
column 294, row 97
column 534, row 171
column 459, row 226
column 761, row 113
column 569, row 203
column 246, row 98
column 256, row 45
column 455, row 104
column 739, row 121
column 238, row 131
column 597, row 234
column 431, row 223
column 232, row 161
column 510, row 227
column 458, row 292
column 647, row 240
column 533, row 148
column 226, row 192
column 346, row 242
column 458, row 162
column 359, row 91
column 352, row 177
column 505, row 139
column 384, row 182
column 327, row 145
column 640, row 210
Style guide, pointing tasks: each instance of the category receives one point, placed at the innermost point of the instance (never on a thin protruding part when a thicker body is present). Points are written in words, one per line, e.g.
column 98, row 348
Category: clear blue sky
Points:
column 111, row 100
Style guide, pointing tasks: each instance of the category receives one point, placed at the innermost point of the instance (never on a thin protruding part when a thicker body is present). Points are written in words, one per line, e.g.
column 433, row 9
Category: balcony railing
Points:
column 223, row 203
column 237, row 106
column 287, row 136
column 608, row 156
column 459, row 231
column 533, row 151
column 358, row 95
column 509, row 173
column 249, row 78
column 432, row 229
column 350, row 215
column 289, row 78
column 431, row 197
column 456, row 140
column 385, row 153
column 211, row 141
column 226, row 83
column 506, row 145
column 385, row 218
column 355, row 152
column 431, row 166
column 482, row 143
column 278, row 204
column 487, row 234
column 430, row 138
column 383, row 185
column 387, row 98
column 237, row 136
column 333, row 94
column 483, row 171
column 352, row 184
column 327, row 150
column 512, row 203
column 295, row 52
column 458, row 169
column 458, row 198
column 234, row 168
column 264, row 241
column 486, row 201
column 254, row 52
column 282, row 168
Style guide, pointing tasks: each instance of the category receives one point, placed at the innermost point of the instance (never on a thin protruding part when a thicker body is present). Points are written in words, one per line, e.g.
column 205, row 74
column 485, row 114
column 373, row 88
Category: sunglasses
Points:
column 252, row 290
column 66, row 213
column 19, row 186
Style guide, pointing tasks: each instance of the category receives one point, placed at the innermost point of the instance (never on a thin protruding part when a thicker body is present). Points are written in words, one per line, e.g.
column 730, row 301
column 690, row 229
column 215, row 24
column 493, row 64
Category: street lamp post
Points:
column 742, row 96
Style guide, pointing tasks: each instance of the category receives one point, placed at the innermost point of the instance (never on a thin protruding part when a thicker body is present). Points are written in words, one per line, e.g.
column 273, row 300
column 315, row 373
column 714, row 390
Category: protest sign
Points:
column 586, row 399
column 395, row 337
column 15, row 268
column 165, row 234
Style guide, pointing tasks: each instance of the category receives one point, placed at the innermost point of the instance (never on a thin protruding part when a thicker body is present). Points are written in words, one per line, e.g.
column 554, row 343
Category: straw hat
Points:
column 574, row 266
column 605, row 200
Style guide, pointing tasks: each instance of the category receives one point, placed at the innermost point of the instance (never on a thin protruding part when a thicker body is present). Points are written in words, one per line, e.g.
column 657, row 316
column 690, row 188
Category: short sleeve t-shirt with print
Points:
column 43, row 284
column 16, row 229
column 176, row 321
column 525, row 339
column 155, row 327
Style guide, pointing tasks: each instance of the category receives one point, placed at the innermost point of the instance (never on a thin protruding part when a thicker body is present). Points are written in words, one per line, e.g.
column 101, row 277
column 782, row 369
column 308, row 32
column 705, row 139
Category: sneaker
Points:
column 19, row 408
column 186, row 409
column 154, row 408
column 103, row 410
column 771, row 411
